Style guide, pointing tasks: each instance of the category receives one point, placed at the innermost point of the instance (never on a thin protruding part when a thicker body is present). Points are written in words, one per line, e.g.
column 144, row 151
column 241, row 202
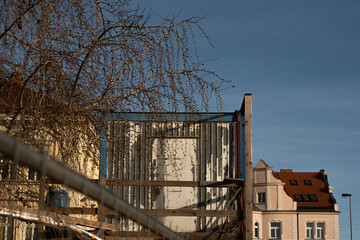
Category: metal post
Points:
column 349, row 196
column 350, row 217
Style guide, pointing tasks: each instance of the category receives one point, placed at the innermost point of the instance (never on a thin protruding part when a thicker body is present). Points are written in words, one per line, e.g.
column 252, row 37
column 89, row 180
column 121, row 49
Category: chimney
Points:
column 285, row 170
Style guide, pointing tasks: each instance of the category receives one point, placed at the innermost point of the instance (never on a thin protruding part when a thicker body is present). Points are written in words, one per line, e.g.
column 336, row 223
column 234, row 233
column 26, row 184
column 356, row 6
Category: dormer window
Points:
column 308, row 182
column 298, row 198
column 305, row 198
column 313, row 198
column 293, row 182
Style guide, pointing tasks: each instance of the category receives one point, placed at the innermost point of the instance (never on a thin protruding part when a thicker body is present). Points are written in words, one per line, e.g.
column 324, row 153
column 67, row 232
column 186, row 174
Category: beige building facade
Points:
column 293, row 205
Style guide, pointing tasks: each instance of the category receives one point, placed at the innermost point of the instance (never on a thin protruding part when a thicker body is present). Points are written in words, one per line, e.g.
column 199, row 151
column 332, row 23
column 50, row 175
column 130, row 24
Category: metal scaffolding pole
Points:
column 20, row 153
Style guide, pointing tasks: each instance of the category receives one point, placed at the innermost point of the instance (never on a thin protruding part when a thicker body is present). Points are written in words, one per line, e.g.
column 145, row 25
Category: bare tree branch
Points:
column 70, row 62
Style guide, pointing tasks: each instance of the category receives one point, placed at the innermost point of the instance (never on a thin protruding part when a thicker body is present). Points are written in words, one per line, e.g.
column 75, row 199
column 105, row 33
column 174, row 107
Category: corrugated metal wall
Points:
column 130, row 156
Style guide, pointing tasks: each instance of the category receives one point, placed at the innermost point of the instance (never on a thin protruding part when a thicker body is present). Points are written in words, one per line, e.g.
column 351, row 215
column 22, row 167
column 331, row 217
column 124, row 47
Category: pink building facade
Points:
column 293, row 205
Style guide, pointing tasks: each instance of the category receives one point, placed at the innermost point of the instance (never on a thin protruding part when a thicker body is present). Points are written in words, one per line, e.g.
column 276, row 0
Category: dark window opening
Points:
column 275, row 230
column 32, row 175
column 5, row 168
column 313, row 198
column 308, row 182
column 293, row 182
column 261, row 197
column 256, row 230
column 306, row 198
column 298, row 198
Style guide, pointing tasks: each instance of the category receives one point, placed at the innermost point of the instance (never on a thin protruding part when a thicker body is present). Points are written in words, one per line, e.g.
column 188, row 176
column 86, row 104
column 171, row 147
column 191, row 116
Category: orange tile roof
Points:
column 319, row 188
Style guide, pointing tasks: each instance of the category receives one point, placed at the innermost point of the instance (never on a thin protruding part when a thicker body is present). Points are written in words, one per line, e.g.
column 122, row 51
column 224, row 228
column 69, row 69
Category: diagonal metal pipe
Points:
column 21, row 153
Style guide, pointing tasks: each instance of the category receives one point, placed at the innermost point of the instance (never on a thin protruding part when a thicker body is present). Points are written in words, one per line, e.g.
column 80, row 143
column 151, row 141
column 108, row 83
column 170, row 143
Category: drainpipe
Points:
column 297, row 214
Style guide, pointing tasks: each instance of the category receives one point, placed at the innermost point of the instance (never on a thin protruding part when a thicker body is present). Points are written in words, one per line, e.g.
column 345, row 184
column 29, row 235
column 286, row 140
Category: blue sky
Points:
column 301, row 62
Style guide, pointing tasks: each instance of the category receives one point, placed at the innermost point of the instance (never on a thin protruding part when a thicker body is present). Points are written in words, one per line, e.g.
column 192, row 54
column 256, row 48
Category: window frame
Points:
column 256, row 230
column 322, row 229
column 277, row 230
column 306, row 198
column 293, row 182
column 298, row 197
column 313, row 198
column 307, row 182
column 261, row 197
column 31, row 231
column 310, row 230
column 315, row 229
column 5, row 227
column 5, row 168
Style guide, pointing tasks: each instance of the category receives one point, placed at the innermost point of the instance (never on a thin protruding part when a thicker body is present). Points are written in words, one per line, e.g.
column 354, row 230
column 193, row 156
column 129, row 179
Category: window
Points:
column 293, row 182
column 256, row 230
column 5, row 168
column 275, row 230
column 313, row 198
column 4, row 228
column 320, row 230
column 308, row 182
column 31, row 231
column 261, row 197
column 32, row 175
column 305, row 198
column 298, row 198
column 309, row 230
column 315, row 230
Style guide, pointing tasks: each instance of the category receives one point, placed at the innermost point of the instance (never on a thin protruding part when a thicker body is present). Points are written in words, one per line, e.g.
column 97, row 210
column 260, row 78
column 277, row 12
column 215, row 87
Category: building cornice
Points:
column 296, row 211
